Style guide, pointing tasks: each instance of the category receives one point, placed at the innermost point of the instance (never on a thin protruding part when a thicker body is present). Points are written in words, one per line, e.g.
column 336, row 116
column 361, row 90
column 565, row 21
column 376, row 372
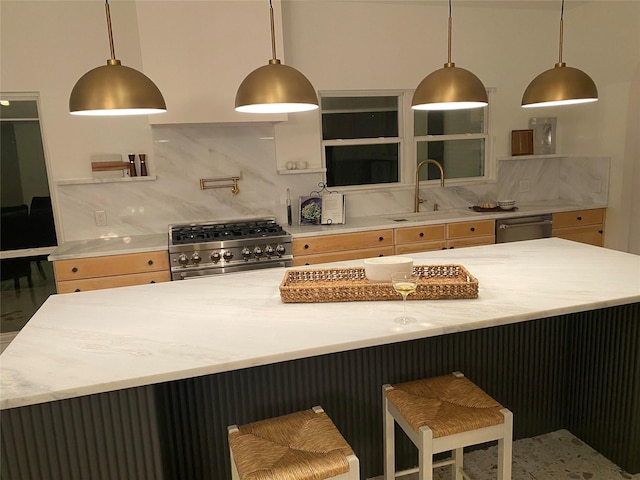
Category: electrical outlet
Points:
column 597, row 185
column 523, row 186
column 100, row 217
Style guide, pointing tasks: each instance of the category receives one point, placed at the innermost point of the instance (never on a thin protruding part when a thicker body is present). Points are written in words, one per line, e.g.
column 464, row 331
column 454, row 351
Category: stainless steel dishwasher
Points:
column 523, row 228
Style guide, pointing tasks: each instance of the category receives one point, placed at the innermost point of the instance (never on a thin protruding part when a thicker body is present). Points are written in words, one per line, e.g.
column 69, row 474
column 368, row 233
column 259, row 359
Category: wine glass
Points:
column 404, row 283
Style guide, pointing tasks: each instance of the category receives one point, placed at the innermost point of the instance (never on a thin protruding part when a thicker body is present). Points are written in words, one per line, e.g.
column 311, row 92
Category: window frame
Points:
column 400, row 139
column 408, row 143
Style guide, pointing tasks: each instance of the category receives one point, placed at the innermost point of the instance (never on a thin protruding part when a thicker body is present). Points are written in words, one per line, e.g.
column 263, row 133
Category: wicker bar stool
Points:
column 443, row 414
column 300, row 446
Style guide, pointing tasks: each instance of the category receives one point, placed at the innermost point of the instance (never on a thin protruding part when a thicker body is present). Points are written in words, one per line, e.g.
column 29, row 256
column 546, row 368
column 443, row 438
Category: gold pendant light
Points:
column 114, row 89
column 450, row 88
column 275, row 88
column 560, row 85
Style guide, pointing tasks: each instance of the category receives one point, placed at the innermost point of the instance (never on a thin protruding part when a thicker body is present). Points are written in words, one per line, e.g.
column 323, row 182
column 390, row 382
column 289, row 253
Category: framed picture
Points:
column 310, row 210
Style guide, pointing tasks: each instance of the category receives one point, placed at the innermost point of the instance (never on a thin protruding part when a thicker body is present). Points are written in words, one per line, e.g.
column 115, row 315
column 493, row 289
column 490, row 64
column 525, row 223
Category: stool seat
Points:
column 303, row 446
column 442, row 414
column 446, row 404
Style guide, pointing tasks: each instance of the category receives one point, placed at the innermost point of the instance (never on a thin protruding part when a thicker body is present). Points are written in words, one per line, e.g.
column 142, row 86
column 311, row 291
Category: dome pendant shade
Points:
column 114, row 89
column 560, row 85
column 276, row 88
column 450, row 88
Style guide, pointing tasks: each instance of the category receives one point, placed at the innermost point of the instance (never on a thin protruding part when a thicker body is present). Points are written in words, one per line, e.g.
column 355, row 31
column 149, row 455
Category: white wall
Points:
column 47, row 45
column 386, row 44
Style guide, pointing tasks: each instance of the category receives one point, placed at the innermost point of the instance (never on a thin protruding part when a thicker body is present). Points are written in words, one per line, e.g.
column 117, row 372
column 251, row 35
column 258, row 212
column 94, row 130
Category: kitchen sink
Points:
column 426, row 216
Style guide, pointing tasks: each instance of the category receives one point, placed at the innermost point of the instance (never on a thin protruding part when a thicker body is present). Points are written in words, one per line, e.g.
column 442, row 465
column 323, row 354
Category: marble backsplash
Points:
column 184, row 154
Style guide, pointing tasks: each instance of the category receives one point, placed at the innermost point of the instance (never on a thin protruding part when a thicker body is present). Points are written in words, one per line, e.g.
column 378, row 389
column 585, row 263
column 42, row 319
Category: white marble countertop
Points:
column 110, row 246
column 398, row 220
column 154, row 242
column 104, row 340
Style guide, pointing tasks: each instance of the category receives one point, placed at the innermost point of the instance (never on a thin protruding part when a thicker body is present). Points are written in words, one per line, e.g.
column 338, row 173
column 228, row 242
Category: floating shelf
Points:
column 85, row 181
column 532, row 157
column 301, row 171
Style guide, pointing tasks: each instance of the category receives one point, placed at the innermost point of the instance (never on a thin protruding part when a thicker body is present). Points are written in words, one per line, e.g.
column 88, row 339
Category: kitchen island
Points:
column 155, row 372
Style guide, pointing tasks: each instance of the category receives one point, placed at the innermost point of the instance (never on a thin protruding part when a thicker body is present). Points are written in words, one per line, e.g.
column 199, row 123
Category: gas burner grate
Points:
column 212, row 232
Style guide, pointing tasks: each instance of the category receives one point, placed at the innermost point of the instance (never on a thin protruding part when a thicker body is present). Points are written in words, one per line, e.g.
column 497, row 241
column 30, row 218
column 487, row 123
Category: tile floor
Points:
column 556, row 455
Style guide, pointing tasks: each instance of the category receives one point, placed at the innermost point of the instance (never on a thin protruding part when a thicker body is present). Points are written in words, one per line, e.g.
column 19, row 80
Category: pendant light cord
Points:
column 273, row 34
column 561, row 33
column 449, row 37
column 108, row 12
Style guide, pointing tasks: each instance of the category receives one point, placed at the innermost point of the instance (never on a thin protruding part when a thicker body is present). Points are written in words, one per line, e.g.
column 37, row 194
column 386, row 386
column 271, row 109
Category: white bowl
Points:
column 507, row 204
column 379, row 269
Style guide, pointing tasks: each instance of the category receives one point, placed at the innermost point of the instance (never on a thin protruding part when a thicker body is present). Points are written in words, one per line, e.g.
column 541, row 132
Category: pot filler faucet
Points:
column 417, row 199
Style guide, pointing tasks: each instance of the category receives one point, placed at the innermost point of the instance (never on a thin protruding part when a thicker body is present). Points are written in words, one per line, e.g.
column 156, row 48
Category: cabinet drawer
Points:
column 578, row 218
column 346, row 241
column 591, row 234
column 100, row 283
column 111, row 265
column 342, row 256
column 471, row 229
column 420, row 247
column 471, row 241
column 419, row 234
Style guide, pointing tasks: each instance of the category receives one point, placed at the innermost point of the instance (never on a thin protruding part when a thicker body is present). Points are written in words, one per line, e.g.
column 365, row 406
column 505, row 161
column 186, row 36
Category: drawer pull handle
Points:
column 421, row 234
column 579, row 218
column 473, row 229
column 380, row 239
column 152, row 281
column 150, row 262
column 306, row 246
column 77, row 290
column 600, row 231
column 451, row 248
column 381, row 255
column 74, row 269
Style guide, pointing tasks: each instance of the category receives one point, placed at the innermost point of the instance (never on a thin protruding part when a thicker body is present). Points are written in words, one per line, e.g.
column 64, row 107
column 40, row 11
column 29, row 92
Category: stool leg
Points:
column 505, row 447
column 458, row 464
column 425, row 454
column 389, row 440
column 234, row 469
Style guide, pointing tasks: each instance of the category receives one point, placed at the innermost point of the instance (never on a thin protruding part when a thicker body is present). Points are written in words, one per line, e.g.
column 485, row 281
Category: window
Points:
column 454, row 138
column 363, row 138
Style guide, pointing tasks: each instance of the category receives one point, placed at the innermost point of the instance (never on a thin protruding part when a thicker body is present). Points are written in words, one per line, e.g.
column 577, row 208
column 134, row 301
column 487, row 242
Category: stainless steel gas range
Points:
column 211, row 248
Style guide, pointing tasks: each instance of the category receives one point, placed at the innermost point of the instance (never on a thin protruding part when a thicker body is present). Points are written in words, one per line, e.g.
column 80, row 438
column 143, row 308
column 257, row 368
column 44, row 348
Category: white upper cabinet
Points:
column 198, row 52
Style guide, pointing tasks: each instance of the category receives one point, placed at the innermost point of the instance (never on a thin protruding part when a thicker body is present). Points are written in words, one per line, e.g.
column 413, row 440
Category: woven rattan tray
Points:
column 350, row 284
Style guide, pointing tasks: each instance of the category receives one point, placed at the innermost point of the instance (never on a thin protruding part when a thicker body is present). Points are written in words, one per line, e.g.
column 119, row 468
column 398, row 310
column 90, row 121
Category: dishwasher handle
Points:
column 504, row 226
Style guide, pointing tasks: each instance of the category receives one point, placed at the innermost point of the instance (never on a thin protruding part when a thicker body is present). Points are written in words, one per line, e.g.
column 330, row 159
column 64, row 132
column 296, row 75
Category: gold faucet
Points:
column 417, row 199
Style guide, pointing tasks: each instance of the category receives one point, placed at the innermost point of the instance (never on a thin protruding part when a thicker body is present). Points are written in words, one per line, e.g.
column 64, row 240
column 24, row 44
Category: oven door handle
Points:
column 504, row 226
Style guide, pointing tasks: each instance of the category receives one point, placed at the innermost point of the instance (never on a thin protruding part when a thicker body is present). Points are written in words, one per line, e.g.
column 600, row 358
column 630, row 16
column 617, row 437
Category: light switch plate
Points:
column 100, row 217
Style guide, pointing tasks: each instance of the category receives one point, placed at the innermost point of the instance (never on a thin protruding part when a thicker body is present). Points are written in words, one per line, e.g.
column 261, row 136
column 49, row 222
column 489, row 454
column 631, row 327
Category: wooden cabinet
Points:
column 585, row 226
column 198, row 53
column 111, row 271
column 419, row 239
column 339, row 247
column 469, row 234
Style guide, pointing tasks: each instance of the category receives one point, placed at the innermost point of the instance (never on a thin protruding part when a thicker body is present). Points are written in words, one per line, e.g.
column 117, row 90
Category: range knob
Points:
column 257, row 252
column 215, row 257
column 246, row 253
column 227, row 255
column 280, row 250
column 269, row 250
column 183, row 260
column 195, row 258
